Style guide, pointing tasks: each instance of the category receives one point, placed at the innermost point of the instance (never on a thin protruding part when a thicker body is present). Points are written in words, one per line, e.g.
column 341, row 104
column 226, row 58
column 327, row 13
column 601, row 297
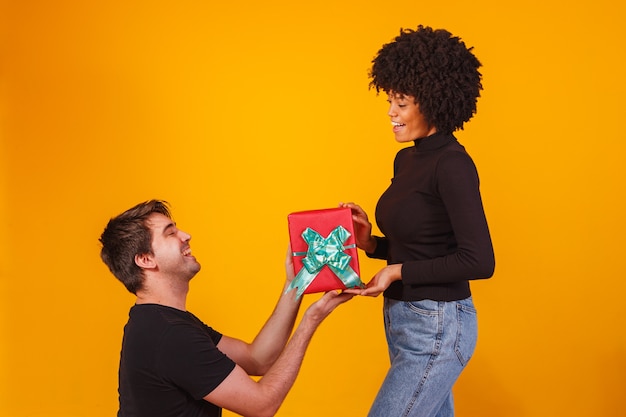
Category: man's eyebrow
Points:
column 168, row 227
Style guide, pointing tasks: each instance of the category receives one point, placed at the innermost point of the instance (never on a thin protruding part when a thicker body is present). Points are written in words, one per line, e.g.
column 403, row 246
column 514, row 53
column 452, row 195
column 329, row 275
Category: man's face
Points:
column 171, row 250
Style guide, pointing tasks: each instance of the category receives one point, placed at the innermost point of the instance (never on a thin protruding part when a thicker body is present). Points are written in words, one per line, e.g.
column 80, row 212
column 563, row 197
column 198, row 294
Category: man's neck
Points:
column 170, row 296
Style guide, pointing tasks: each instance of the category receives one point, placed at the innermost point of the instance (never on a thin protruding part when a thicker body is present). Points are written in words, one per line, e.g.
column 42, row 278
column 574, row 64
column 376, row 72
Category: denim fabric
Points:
column 430, row 342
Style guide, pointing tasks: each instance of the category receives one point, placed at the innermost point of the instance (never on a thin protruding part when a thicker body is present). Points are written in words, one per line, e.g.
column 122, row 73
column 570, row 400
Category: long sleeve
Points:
column 433, row 222
column 471, row 255
column 382, row 248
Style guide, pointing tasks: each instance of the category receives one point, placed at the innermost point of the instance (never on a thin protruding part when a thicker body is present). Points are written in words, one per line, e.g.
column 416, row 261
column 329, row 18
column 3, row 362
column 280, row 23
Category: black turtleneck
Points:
column 434, row 223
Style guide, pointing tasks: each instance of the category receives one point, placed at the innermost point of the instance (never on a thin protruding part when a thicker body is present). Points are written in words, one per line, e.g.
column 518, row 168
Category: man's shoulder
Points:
column 157, row 324
column 160, row 316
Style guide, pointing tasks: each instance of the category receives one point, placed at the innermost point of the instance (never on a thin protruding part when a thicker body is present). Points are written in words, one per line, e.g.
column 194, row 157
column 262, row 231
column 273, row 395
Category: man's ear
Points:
column 145, row 261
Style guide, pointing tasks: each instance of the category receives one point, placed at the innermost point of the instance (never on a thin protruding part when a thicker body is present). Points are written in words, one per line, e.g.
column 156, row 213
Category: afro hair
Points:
column 434, row 67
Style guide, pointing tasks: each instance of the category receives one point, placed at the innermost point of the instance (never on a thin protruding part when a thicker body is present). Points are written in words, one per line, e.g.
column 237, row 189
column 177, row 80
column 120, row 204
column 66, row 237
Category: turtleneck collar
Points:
column 435, row 141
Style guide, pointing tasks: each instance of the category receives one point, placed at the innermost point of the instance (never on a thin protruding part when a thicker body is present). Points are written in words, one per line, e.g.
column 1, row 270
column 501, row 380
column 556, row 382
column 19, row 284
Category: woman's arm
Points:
column 473, row 257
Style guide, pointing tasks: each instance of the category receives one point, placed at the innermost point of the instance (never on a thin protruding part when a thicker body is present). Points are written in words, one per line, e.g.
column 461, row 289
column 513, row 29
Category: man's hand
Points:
column 320, row 309
column 289, row 270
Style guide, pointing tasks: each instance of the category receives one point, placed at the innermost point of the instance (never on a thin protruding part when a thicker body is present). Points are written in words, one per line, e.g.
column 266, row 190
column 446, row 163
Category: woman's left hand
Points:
column 381, row 281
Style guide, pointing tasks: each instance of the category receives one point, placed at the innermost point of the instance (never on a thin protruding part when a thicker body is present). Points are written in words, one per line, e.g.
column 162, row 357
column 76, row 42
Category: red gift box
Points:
column 324, row 250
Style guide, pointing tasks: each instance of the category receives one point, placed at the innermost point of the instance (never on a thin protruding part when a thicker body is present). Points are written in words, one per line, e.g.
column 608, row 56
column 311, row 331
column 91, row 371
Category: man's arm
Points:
column 241, row 394
column 257, row 357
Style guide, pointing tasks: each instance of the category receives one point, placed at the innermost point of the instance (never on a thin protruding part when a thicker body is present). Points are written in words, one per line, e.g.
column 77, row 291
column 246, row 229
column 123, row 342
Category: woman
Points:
column 436, row 235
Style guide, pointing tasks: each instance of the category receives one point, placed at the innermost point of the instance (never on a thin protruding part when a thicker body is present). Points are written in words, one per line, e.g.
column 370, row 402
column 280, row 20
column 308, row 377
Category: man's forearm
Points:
column 262, row 398
column 272, row 338
column 281, row 376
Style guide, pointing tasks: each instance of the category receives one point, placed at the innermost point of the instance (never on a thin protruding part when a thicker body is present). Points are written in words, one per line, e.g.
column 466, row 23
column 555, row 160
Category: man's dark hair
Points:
column 434, row 67
column 127, row 235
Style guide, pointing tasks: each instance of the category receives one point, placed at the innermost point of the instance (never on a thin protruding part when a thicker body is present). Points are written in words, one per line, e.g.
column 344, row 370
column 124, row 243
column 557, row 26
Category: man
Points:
column 171, row 363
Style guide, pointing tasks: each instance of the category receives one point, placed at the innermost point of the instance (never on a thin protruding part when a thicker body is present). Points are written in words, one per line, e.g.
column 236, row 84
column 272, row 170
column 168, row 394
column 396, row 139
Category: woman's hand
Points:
column 381, row 281
column 362, row 228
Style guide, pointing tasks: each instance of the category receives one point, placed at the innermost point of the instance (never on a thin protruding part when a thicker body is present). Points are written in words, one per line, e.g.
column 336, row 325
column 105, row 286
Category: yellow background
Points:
column 240, row 112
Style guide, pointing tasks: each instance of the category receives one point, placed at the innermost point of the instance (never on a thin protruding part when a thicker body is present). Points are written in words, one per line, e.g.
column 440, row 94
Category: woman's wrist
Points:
column 370, row 246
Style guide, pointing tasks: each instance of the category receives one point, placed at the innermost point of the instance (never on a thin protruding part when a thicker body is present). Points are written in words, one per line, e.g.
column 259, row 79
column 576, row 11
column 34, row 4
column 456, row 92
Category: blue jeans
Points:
column 430, row 342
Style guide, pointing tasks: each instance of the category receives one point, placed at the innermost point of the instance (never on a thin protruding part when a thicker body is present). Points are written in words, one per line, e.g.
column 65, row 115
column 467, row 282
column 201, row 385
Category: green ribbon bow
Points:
column 325, row 251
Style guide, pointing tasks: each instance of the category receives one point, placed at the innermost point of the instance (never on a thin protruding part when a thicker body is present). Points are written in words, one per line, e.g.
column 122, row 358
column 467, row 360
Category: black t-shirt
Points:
column 169, row 362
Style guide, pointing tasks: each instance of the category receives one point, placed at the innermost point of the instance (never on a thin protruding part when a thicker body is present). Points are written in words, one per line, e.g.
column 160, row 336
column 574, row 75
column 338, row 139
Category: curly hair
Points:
column 128, row 235
column 434, row 67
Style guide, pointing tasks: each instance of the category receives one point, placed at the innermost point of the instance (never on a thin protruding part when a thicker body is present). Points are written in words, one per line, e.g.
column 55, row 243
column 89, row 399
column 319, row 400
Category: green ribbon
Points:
column 325, row 251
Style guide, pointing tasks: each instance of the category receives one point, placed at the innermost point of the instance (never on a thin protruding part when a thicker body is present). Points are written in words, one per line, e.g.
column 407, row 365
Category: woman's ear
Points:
column 145, row 261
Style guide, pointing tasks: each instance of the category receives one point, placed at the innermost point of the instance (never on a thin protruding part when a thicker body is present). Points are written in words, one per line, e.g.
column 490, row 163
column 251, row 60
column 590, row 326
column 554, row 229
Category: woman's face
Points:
column 407, row 120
